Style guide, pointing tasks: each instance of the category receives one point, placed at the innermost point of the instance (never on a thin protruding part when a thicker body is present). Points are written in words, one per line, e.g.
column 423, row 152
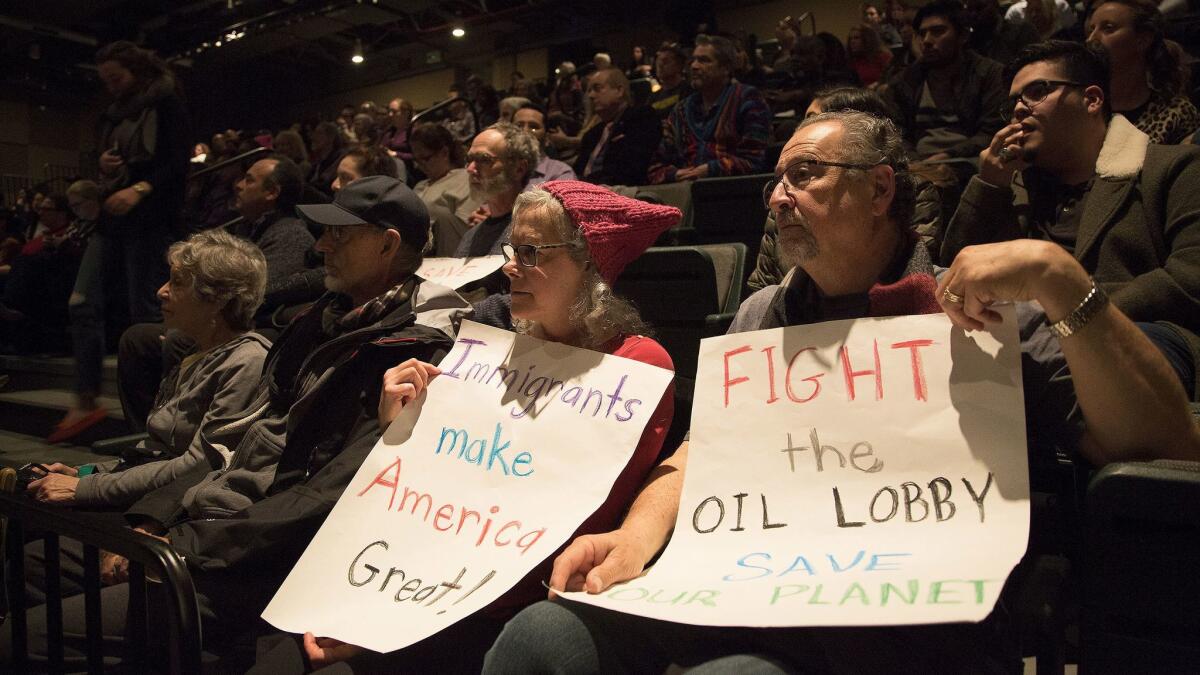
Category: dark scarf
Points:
column 907, row 287
column 340, row 317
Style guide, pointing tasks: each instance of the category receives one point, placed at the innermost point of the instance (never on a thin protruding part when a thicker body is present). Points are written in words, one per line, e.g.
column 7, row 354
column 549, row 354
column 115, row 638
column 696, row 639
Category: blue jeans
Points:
column 141, row 259
column 569, row 638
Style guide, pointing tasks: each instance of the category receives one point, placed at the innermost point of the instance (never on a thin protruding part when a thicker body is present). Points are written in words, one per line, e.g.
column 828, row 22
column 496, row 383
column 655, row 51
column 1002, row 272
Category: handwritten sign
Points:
column 458, row 272
column 514, row 445
column 866, row 472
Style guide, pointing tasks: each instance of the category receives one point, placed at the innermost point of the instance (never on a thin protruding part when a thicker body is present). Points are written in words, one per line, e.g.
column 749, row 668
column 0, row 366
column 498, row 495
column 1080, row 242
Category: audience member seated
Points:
column 570, row 241
column 991, row 36
column 1093, row 184
column 397, row 127
column 460, row 121
column 532, row 119
column 289, row 144
column 868, row 57
column 363, row 160
column 1149, row 79
column 33, row 310
column 949, row 101
column 266, row 198
column 618, row 150
column 446, row 189
column 499, row 163
column 669, row 64
column 509, row 106
column 926, row 221
column 216, row 285
column 721, row 129
column 888, row 35
column 1047, row 17
column 312, row 421
column 327, row 148
column 835, row 200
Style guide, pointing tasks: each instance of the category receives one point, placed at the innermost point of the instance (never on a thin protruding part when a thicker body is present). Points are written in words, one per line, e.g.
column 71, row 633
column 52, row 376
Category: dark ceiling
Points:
column 49, row 44
column 274, row 53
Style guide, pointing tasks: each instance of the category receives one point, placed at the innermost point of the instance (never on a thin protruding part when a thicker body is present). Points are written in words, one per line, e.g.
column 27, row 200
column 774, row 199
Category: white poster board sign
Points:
column 515, row 444
column 458, row 272
column 868, row 472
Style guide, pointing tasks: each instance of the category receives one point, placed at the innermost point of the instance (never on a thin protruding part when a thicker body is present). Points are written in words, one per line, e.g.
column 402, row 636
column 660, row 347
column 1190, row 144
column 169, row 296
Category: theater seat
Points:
column 1141, row 591
column 730, row 209
column 686, row 293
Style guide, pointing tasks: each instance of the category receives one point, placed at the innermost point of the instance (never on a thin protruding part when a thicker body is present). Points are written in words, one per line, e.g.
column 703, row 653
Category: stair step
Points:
column 53, row 372
column 17, row 450
column 35, row 412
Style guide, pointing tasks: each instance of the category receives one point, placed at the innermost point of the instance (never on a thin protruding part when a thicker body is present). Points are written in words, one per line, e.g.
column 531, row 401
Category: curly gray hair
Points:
column 597, row 314
column 223, row 269
column 519, row 145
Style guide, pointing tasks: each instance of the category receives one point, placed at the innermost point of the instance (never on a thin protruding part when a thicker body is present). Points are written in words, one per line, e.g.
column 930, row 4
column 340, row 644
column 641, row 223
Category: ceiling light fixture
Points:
column 357, row 57
column 458, row 32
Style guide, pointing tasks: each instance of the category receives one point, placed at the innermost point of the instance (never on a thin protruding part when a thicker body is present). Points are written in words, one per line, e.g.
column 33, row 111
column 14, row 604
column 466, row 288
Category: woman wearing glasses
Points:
column 569, row 242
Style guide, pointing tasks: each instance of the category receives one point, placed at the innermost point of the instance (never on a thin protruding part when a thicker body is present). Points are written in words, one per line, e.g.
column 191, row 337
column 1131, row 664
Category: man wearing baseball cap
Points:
column 280, row 465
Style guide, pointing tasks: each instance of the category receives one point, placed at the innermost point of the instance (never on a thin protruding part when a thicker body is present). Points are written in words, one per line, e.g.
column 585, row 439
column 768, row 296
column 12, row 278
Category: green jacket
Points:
column 1139, row 235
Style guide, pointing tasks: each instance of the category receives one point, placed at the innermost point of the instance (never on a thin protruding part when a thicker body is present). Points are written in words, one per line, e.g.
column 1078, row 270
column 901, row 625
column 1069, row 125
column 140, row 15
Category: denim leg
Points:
column 86, row 311
column 146, row 269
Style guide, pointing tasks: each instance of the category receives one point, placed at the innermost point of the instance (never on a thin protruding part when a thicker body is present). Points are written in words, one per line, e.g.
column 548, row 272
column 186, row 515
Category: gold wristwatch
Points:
column 141, row 187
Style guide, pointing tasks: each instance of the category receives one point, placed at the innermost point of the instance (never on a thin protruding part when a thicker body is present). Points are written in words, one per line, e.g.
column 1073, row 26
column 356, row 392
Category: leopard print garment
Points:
column 1169, row 121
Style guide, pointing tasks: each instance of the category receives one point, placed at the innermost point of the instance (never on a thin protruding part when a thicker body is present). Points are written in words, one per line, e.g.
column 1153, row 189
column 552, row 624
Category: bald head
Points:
column 608, row 90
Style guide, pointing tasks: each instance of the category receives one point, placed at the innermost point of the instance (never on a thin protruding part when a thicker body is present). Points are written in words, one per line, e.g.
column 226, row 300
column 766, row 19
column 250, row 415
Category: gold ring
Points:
column 952, row 297
column 1006, row 154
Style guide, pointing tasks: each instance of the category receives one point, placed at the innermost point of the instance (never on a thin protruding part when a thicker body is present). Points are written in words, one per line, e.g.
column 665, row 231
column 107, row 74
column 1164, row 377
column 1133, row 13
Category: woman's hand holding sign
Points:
column 401, row 385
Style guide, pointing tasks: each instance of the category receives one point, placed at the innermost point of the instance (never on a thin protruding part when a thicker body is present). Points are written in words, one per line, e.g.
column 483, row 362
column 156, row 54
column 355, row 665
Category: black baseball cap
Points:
column 375, row 200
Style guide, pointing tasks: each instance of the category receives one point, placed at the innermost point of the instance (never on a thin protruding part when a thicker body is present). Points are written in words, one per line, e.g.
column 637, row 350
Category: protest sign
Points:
column 866, row 472
column 514, row 445
column 458, row 272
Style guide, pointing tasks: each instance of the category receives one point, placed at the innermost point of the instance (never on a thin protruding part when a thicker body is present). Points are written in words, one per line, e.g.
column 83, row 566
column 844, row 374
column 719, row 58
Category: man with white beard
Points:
column 498, row 165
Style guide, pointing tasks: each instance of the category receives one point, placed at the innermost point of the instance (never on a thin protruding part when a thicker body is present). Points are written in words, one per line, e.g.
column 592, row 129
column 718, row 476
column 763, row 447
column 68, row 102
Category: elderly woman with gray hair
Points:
column 217, row 282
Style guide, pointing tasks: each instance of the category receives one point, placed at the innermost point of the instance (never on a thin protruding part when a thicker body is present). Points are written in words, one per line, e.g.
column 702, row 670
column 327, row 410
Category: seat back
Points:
column 730, row 209
column 1141, row 596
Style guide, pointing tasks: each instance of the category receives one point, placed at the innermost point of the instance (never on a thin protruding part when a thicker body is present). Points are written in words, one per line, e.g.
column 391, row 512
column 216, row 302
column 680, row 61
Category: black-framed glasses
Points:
column 526, row 255
column 1032, row 94
column 340, row 234
column 481, row 158
column 797, row 175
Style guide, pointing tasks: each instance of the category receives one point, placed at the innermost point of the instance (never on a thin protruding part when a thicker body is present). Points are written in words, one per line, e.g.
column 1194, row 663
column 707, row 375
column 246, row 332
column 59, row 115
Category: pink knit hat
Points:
column 618, row 229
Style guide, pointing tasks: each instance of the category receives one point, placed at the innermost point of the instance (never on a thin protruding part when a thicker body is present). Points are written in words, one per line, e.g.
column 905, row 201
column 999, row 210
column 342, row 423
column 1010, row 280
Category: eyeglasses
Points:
column 526, row 255
column 797, row 175
column 1032, row 94
column 340, row 234
column 481, row 158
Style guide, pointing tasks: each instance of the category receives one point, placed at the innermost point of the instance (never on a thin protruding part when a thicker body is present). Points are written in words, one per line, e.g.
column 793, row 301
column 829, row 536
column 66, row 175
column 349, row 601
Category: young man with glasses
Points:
column 1067, row 170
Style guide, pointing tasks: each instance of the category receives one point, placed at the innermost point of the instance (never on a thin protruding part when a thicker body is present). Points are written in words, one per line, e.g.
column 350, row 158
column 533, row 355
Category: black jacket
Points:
column 631, row 145
column 979, row 93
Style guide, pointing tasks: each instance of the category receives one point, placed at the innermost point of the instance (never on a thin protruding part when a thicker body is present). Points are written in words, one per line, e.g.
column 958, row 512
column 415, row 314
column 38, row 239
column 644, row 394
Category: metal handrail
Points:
column 149, row 558
column 443, row 104
column 226, row 162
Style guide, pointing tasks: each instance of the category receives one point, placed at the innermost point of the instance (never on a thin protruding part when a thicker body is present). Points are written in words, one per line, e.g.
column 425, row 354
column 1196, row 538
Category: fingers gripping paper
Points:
column 867, row 472
column 516, row 443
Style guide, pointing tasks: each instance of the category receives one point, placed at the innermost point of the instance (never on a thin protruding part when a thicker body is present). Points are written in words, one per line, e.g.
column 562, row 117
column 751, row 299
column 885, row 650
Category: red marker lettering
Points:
column 737, row 380
column 918, row 371
column 850, row 373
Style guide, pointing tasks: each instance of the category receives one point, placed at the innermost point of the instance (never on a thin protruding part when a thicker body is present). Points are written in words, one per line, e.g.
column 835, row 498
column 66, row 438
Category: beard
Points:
column 796, row 240
column 489, row 187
